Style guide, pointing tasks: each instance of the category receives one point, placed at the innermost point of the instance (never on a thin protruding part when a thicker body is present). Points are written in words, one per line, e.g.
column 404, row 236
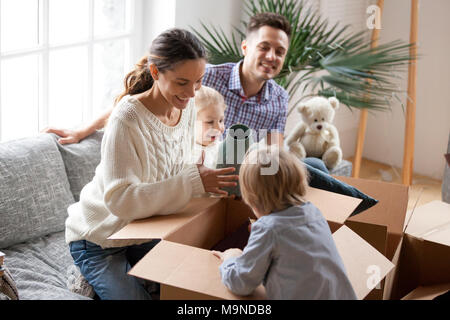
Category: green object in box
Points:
column 232, row 151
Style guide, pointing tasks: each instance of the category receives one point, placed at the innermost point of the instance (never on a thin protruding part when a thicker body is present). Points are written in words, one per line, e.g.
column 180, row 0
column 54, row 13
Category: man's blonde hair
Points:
column 276, row 191
column 206, row 96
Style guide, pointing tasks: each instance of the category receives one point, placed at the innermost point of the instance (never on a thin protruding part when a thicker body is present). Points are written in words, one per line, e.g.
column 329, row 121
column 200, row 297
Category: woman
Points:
column 144, row 168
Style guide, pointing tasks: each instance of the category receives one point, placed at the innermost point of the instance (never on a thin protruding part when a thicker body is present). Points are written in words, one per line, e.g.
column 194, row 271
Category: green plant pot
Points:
column 232, row 151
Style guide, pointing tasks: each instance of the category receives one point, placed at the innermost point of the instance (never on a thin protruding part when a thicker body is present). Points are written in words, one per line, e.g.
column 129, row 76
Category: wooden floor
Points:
column 422, row 190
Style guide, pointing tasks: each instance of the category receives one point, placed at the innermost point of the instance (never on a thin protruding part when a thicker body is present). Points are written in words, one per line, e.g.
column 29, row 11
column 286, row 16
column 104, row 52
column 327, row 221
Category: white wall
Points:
column 159, row 15
column 385, row 132
column 222, row 14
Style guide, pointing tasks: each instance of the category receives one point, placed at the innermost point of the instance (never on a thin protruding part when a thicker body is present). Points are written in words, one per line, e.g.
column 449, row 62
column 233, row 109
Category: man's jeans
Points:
column 319, row 177
column 106, row 269
column 315, row 163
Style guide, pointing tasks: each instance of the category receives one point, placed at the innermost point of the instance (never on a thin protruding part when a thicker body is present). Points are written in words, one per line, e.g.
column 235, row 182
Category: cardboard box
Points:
column 423, row 260
column 382, row 225
column 186, row 269
column 389, row 213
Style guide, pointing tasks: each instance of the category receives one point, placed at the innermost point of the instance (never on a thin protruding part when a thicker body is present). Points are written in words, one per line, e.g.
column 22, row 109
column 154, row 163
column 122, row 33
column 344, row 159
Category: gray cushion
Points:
column 34, row 191
column 41, row 268
column 80, row 160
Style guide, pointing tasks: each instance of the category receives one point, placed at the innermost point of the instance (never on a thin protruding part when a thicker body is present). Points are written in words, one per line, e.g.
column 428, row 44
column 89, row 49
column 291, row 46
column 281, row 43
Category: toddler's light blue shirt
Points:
column 292, row 252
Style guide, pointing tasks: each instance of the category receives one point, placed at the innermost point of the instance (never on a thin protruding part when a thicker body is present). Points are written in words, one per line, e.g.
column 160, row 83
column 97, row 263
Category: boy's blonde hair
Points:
column 282, row 188
column 206, row 96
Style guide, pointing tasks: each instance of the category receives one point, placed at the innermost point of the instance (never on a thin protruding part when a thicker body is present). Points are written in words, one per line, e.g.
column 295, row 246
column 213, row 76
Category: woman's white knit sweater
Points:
column 145, row 170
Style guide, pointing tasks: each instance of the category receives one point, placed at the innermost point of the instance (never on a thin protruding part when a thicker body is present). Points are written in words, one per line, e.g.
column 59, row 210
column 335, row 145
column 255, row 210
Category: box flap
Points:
column 335, row 207
column 204, row 230
column 391, row 208
column 187, row 268
column 431, row 222
column 427, row 292
column 390, row 211
column 159, row 227
column 390, row 284
column 374, row 234
column 365, row 266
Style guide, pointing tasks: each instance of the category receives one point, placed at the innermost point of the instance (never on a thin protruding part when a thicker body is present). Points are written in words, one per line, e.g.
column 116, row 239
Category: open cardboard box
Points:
column 186, row 269
column 423, row 259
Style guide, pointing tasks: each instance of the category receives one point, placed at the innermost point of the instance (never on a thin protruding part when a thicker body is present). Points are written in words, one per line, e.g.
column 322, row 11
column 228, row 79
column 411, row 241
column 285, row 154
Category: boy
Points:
column 290, row 249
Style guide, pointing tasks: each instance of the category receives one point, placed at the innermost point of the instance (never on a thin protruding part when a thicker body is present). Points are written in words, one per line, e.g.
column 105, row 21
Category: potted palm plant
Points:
column 327, row 61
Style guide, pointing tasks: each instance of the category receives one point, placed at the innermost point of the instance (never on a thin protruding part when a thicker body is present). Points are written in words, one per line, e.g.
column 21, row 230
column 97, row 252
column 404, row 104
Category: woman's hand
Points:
column 234, row 252
column 67, row 135
column 214, row 179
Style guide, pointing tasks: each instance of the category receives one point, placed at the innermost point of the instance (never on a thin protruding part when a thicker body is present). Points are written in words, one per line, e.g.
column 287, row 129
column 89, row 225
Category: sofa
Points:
column 40, row 178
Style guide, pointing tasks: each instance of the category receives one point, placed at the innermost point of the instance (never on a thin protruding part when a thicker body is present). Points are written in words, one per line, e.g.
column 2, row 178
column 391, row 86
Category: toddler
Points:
column 290, row 249
column 210, row 108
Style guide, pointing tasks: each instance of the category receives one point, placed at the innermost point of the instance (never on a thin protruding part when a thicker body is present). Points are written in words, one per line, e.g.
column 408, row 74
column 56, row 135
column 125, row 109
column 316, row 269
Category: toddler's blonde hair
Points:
column 272, row 192
column 206, row 96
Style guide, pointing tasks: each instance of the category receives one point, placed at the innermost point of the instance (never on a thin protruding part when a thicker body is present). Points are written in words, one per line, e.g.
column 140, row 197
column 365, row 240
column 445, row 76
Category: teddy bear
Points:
column 316, row 136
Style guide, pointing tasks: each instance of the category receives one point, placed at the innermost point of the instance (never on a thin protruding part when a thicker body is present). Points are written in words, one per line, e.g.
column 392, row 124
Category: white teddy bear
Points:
column 316, row 136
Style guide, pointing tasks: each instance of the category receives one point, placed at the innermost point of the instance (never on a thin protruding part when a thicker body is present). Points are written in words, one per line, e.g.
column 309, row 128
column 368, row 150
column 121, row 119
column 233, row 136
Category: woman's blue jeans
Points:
column 106, row 269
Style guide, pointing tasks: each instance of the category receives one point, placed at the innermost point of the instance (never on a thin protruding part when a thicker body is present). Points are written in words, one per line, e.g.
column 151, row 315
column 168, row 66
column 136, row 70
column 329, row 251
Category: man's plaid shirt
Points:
column 267, row 110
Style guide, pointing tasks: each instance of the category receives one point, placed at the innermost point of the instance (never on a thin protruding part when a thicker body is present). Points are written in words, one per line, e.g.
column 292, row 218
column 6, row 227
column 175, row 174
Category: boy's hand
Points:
column 234, row 252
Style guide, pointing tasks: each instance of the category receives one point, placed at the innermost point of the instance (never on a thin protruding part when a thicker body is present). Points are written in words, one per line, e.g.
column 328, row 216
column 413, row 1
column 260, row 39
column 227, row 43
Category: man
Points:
column 252, row 97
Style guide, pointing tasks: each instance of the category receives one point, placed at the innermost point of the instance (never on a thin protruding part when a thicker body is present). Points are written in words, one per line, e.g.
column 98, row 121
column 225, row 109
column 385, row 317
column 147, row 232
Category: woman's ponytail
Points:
column 137, row 80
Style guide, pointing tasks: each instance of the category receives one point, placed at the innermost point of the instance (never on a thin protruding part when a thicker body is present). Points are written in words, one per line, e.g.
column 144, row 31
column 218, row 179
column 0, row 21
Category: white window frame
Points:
column 134, row 35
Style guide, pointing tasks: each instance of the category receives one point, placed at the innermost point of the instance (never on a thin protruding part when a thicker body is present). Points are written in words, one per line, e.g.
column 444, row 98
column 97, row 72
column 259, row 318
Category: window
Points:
column 62, row 62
